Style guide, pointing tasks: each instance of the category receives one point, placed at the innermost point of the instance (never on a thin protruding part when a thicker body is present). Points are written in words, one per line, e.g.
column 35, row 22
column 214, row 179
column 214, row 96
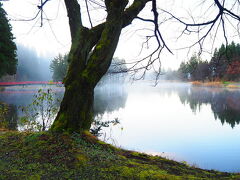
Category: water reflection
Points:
column 15, row 98
column 108, row 98
column 176, row 119
column 225, row 104
column 8, row 116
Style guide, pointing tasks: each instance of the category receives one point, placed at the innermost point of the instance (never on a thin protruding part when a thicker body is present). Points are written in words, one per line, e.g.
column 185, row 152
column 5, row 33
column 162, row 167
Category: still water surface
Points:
column 184, row 123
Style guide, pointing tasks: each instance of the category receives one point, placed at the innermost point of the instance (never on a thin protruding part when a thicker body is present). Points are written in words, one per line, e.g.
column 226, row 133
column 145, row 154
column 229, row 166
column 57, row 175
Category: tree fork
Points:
column 87, row 68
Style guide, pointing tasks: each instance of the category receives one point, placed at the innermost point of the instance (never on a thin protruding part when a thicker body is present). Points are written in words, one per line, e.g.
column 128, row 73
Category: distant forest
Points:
column 116, row 72
column 224, row 65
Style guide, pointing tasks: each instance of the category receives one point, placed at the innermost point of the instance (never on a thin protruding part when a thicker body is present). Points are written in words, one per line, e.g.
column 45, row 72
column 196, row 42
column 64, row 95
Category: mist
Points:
column 31, row 66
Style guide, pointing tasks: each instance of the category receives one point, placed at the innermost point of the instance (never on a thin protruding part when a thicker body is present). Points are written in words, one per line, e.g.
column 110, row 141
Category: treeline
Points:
column 116, row 71
column 224, row 65
column 224, row 104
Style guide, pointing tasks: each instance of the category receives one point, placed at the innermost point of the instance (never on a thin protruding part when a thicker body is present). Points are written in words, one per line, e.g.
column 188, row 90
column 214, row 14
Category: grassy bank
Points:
column 217, row 84
column 54, row 156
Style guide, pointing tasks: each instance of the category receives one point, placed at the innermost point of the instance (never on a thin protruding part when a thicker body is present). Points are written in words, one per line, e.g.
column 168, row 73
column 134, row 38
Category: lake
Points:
column 175, row 120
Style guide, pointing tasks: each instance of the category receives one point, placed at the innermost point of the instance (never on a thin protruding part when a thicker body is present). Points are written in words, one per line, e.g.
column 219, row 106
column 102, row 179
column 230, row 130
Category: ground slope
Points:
column 62, row 156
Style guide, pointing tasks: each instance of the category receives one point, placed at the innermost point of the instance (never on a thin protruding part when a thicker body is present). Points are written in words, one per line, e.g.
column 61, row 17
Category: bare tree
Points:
column 93, row 48
column 90, row 57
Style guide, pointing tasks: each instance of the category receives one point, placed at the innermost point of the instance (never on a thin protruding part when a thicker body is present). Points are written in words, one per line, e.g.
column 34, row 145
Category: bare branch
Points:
column 30, row 19
column 89, row 17
column 146, row 20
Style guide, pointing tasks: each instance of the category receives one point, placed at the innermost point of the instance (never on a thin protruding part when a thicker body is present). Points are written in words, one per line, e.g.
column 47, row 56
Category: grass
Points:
column 62, row 156
column 218, row 84
column 208, row 84
column 232, row 86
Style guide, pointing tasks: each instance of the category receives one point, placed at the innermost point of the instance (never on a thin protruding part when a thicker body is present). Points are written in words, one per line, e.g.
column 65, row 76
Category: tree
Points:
column 59, row 66
column 92, row 49
column 224, row 63
column 90, row 57
column 8, row 60
column 197, row 69
column 192, row 65
column 183, row 71
column 233, row 70
column 202, row 71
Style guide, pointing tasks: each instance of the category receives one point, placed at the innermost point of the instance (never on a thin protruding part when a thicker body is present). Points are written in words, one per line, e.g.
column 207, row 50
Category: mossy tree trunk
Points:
column 90, row 57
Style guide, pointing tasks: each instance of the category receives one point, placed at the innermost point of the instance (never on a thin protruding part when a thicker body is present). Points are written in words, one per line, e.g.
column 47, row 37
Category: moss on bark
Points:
column 86, row 68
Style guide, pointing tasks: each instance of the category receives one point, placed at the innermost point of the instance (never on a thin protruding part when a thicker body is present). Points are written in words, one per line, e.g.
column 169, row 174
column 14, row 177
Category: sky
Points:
column 54, row 36
column 50, row 39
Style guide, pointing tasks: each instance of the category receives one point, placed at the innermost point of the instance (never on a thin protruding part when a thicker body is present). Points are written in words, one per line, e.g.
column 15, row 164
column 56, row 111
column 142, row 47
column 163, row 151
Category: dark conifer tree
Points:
column 8, row 60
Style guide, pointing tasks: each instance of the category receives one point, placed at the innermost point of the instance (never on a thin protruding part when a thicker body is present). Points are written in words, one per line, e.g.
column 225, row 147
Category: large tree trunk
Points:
column 76, row 111
column 86, row 69
column 90, row 57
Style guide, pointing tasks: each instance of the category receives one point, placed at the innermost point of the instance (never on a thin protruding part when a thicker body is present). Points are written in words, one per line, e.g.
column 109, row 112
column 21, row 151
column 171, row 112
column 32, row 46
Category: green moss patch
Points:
column 63, row 156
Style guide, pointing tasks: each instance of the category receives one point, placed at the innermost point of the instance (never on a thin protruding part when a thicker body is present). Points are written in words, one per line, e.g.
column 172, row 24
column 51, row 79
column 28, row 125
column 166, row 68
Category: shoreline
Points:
column 217, row 84
column 44, row 155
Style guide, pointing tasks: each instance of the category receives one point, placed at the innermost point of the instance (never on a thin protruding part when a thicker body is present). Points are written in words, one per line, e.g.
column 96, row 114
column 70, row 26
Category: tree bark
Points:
column 90, row 57
column 76, row 110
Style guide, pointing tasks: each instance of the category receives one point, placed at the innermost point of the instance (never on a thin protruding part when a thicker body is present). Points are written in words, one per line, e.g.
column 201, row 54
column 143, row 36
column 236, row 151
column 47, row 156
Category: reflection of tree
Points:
column 195, row 97
column 224, row 104
column 12, row 117
column 8, row 116
column 16, row 99
column 109, row 98
column 227, row 107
